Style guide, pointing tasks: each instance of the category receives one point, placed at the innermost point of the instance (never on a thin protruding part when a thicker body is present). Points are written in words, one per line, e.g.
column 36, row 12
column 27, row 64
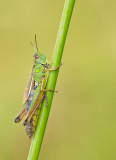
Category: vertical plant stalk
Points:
column 51, row 83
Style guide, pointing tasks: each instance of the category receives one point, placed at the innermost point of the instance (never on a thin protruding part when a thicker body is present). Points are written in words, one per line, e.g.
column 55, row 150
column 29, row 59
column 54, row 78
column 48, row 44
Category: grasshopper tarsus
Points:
column 61, row 64
column 46, row 99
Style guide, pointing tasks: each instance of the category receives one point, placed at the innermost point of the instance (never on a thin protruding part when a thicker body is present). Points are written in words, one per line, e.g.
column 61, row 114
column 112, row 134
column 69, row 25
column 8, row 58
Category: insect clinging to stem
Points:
column 35, row 91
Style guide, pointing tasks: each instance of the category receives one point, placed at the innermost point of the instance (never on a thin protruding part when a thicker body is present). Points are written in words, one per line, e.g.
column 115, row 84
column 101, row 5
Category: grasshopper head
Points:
column 36, row 55
column 39, row 58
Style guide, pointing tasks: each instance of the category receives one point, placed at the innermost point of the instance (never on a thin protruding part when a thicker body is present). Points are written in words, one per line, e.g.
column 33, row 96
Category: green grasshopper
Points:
column 35, row 91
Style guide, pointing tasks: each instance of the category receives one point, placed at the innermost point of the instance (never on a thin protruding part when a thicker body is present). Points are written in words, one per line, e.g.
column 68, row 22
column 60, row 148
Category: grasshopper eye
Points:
column 36, row 56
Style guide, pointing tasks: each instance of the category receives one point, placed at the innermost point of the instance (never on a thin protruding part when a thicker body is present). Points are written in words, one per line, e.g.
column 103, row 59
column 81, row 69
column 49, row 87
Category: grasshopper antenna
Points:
column 36, row 43
column 33, row 46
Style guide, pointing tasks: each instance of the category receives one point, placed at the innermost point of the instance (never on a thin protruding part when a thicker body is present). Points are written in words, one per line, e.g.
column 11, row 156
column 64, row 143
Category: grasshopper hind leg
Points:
column 25, row 108
column 20, row 116
column 23, row 112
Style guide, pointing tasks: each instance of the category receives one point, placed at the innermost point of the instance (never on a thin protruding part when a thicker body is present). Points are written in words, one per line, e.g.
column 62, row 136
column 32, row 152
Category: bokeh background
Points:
column 82, row 121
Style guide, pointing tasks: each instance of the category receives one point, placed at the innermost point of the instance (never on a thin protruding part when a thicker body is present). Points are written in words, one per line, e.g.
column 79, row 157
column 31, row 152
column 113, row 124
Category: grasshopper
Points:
column 35, row 91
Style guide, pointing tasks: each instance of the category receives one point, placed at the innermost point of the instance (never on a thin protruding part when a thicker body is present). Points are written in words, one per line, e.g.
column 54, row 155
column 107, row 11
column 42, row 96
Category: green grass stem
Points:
column 56, row 60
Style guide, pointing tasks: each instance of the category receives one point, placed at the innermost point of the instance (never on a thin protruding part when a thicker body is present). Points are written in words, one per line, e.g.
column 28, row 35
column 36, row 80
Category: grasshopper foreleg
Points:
column 31, row 112
column 53, row 69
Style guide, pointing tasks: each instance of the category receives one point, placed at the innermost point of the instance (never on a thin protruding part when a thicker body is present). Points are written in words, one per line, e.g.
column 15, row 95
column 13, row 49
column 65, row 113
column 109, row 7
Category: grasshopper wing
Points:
column 27, row 92
column 28, row 87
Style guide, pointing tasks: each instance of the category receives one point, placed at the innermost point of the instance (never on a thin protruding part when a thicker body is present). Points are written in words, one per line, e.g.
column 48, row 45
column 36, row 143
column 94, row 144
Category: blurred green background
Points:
column 82, row 122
